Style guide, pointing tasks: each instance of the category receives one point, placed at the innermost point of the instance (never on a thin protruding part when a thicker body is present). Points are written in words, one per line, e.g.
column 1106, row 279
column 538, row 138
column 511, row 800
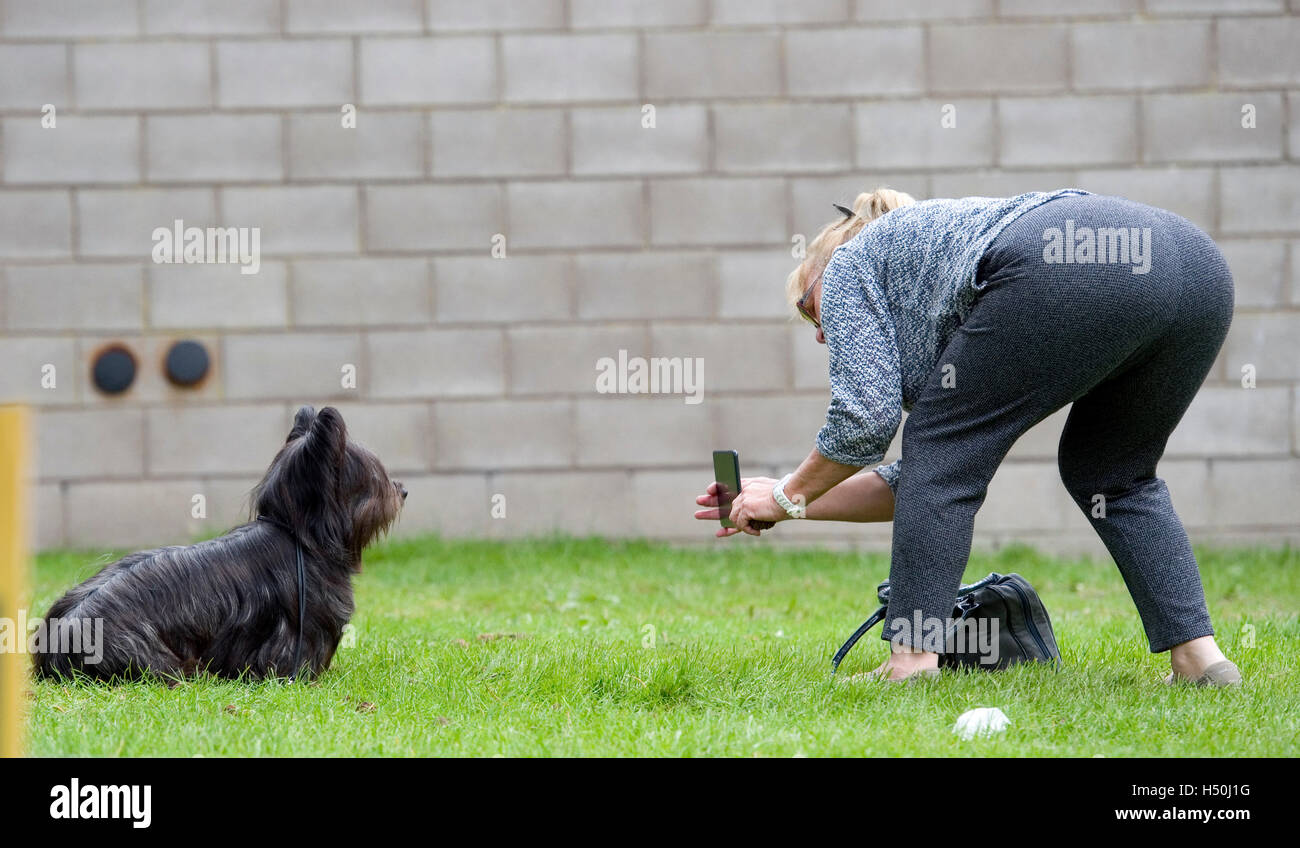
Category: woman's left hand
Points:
column 755, row 509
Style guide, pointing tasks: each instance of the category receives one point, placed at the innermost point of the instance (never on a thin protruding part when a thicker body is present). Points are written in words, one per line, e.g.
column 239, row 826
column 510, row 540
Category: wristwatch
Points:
column 792, row 509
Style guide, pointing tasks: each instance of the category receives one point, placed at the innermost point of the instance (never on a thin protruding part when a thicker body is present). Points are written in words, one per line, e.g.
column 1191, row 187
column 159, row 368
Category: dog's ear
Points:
column 329, row 436
column 302, row 422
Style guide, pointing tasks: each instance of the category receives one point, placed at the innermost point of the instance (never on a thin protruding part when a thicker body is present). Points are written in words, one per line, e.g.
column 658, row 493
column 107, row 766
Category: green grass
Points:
column 743, row 637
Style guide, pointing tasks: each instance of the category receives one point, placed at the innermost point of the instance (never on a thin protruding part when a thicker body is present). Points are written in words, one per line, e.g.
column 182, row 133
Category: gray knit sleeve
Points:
column 865, row 376
column 889, row 473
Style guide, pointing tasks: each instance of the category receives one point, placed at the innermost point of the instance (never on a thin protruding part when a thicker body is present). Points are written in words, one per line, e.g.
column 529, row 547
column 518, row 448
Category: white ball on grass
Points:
column 983, row 721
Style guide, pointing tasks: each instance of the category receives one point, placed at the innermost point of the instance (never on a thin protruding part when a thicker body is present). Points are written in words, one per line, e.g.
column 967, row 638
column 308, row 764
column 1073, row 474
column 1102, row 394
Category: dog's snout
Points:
column 401, row 490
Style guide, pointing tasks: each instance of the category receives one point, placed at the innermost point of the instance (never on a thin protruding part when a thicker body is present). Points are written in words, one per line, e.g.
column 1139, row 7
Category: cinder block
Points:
column 810, row 362
column 873, row 11
column 79, row 150
column 776, row 430
column 487, row 435
column 634, row 286
column 400, row 434
column 737, row 356
column 703, row 211
column 537, row 503
column 1203, row 7
column 999, row 183
column 46, row 517
column 566, row 68
column 451, row 505
column 81, row 443
column 340, row 16
column 151, row 385
column 36, row 224
column 1235, row 421
column 1208, row 127
column 614, row 140
column 854, row 62
column 1270, row 342
column 1124, row 55
column 312, row 72
column 783, row 138
column 642, row 432
column 1067, row 130
column 576, row 214
column 380, row 146
column 299, row 368
column 555, row 360
column 751, row 283
column 519, row 288
column 1259, row 200
column 1293, row 130
column 498, row 142
column 211, row 17
column 664, row 503
column 1258, row 51
column 121, row 222
column 40, row 370
column 131, row 515
column 453, row 363
column 32, row 75
column 69, row 19
column 454, row 15
column 359, row 292
column 73, row 297
column 1185, row 191
column 217, row 148
column 1042, row 440
column 229, row 439
column 1025, row 496
column 228, row 500
column 1064, row 8
column 637, row 13
column 714, row 64
column 1188, row 481
column 142, row 75
column 296, row 219
column 998, row 58
column 1258, row 271
column 1252, row 493
column 217, row 296
column 745, row 12
column 427, row 70
column 433, row 217
column 914, row 134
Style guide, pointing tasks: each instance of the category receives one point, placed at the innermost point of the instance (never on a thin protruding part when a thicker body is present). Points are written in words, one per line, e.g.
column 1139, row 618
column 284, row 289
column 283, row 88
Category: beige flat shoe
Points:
column 923, row 674
column 1218, row 675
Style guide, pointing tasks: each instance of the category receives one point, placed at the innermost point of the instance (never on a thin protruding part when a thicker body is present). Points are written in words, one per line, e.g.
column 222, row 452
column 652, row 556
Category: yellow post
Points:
column 13, row 572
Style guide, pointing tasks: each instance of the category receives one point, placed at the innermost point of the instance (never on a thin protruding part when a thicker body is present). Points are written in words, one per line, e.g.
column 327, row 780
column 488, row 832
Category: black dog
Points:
column 230, row 606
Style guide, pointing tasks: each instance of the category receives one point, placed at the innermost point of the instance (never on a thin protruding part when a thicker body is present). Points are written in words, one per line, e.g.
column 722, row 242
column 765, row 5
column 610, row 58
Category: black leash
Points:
column 302, row 592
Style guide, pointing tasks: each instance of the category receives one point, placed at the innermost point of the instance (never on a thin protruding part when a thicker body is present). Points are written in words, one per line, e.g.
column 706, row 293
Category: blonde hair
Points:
column 868, row 206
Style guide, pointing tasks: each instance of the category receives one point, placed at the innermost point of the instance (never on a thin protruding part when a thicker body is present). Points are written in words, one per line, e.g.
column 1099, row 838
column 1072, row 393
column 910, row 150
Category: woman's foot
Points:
column 903, row 665
column 1201, row 662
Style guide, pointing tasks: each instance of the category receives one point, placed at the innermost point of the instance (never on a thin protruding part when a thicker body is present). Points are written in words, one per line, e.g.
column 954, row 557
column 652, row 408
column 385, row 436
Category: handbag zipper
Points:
column 1029, row 619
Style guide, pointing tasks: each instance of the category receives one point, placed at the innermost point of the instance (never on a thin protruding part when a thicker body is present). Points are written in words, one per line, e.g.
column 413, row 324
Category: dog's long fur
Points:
column 229, row 606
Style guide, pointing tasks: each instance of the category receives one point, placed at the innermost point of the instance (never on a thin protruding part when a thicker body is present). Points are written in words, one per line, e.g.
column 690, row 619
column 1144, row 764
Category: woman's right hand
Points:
column 710, row 499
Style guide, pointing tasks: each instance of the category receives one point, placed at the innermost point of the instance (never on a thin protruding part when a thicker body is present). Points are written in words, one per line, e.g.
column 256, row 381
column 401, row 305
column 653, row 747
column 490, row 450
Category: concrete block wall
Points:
column 519, row 126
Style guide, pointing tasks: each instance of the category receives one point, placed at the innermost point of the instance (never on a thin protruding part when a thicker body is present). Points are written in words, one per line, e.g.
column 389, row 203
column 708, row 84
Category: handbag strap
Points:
column 853, row 640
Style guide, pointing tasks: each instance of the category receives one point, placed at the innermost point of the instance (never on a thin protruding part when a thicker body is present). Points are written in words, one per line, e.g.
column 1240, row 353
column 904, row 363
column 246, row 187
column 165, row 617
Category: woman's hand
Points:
column 746, row 511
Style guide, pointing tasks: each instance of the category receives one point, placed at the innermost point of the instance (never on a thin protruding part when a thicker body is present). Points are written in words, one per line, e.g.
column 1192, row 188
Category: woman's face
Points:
column 815, row 307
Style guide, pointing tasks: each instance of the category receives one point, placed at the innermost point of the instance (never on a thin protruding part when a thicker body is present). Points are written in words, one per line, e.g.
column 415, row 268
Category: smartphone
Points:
column 726, row 471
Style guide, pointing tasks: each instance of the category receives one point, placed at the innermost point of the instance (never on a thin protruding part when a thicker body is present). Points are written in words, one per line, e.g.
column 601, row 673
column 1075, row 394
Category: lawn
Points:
column 586, row 647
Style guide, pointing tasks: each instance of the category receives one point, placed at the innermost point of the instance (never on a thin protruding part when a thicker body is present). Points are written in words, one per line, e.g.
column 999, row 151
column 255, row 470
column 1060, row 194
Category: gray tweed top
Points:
column 892, row 296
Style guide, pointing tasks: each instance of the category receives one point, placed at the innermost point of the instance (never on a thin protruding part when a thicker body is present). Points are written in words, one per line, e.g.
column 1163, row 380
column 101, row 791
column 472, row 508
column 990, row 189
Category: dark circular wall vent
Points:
column 114, row 370
column 187, row 363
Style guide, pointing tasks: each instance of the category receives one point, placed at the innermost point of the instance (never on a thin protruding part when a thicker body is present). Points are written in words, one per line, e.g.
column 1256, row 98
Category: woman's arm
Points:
column 864, row 497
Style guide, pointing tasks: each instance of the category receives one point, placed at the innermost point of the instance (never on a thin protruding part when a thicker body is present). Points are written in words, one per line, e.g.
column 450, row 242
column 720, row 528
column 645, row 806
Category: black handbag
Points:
column 1004, row 604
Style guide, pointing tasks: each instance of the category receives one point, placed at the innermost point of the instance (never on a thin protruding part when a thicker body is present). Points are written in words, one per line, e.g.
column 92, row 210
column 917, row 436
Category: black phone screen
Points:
column 726, row 472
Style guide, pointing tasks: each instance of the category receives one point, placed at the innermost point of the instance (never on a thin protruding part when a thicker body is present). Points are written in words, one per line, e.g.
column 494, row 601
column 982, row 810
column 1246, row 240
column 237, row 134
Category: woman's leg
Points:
column 1040, row 336
column 1115, row 435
